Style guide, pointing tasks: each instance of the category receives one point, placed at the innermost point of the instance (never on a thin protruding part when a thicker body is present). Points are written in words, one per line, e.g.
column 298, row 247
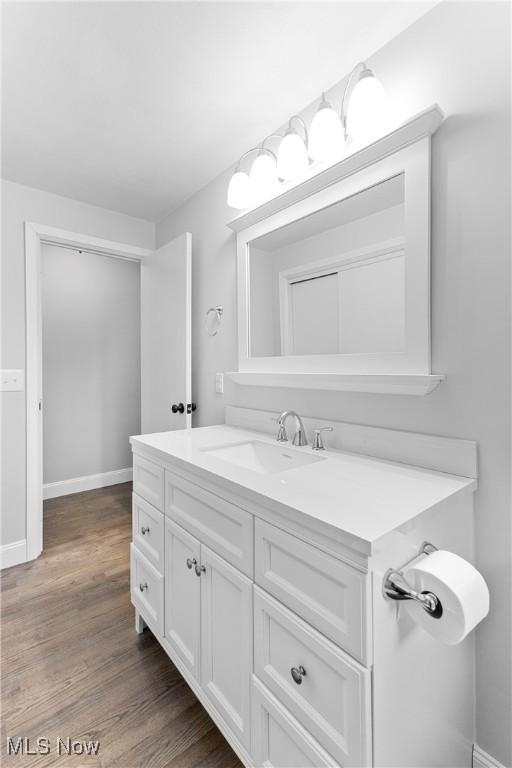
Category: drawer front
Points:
column 278, row 739
column 330, row 696
column 326, row 592
column 148, row 481
column 148, row 531
column 222, row 526
column 147, row 588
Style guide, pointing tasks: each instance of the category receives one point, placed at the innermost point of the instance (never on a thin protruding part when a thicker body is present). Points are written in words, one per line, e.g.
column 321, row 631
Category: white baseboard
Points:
column 87, row 483
column 13, row 554
column 483, row 760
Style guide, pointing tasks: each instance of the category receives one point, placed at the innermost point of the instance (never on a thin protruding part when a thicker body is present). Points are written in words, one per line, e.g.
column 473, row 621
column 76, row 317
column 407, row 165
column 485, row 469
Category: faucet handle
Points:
column 318, row 443
column 281, row 437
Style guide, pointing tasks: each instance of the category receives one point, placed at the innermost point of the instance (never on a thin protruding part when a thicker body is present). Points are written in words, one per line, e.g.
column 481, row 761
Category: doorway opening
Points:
column 165, row 374
column 91, row 368
column 38, row 237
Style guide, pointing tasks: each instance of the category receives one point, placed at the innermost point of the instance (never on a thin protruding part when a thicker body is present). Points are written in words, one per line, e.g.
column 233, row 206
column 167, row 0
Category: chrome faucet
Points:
column 299, row 437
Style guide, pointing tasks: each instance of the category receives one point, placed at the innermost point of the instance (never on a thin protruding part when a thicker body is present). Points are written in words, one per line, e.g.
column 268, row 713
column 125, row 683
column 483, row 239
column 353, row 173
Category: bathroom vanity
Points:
column 259, row 566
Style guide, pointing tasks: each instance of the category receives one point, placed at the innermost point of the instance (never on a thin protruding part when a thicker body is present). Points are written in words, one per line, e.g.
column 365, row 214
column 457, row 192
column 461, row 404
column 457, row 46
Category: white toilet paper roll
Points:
column 459, row 586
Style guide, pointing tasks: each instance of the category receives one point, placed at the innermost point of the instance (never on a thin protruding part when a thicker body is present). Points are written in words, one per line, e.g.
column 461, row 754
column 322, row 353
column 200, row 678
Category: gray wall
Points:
column 459, row 56
column 20, row 204
column 91, row 362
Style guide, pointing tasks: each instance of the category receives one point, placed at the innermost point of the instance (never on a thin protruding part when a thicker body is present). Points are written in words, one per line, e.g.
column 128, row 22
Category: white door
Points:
column 182, row 595
column 165, row 313
column 226, row 641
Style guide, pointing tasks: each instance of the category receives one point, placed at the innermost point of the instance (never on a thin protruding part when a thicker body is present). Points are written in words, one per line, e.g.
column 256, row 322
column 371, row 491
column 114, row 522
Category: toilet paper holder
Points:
column 396, row 587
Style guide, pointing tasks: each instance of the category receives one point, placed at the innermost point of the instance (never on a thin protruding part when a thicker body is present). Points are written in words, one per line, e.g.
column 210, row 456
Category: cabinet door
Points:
column 182, row 595
column 226, row 641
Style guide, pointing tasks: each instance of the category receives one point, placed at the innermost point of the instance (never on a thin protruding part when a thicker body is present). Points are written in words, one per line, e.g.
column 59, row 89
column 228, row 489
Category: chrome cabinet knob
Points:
column 144, row 586
column 298, row 673
column 200, row 569
column 191, row 561
column 144, row 530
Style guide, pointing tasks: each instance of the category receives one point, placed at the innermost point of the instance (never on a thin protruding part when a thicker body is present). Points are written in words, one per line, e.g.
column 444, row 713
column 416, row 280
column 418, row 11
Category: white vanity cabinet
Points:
column 278, row 622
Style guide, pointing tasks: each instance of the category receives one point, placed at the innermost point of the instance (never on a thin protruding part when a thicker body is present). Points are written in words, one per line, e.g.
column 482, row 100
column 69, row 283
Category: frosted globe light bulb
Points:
column 326, row 134
column 292, row 156
column 263, row 177
column 239, row 190
column 367, row 112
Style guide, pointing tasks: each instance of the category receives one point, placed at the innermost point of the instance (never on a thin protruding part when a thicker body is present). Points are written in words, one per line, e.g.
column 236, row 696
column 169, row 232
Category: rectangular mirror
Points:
column 334, row 274
column 332, row 282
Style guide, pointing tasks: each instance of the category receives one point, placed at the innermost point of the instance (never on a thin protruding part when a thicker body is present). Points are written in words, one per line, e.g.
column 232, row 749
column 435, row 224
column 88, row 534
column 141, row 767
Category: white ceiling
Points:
column 134, row 106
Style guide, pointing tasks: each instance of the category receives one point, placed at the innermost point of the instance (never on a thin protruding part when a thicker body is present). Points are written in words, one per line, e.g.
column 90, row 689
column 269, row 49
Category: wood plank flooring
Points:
column 72, row 663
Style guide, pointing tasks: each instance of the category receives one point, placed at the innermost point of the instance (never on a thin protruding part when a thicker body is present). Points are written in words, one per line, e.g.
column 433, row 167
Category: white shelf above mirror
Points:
column 334, row 274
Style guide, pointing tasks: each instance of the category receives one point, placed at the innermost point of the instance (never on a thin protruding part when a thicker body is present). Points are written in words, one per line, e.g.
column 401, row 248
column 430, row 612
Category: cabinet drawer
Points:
column 147, row 590
column 278, row 739
column 222, row 526
column 148, row 531
column 326, row 592
column 148, row 481
column 331, row 696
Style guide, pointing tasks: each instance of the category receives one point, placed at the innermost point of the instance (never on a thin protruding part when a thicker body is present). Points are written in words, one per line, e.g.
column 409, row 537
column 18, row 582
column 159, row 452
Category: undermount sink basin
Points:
column 262, row 457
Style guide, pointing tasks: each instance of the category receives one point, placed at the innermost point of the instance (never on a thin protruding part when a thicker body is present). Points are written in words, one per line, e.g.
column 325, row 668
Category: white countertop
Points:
column 364, row 497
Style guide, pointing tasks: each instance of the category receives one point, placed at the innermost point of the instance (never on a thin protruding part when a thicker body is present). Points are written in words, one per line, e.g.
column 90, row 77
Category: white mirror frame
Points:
column 407, row 151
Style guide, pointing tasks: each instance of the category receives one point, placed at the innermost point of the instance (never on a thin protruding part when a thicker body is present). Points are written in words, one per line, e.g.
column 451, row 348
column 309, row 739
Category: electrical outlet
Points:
column 219, row 383
column 13, row 380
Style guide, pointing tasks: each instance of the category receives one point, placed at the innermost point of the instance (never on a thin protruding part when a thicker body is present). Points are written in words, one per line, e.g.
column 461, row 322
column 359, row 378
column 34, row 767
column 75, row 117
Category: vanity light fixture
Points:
column 263, row 176
column 364, row 112
column 292, row 155
column 363, row 118
column 239, row 189
column 326, row 133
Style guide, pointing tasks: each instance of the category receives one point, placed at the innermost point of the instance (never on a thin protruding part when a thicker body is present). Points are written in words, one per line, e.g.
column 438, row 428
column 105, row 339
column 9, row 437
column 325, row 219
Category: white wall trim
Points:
column 35, row 236
column 483, row 760
column 62, row 237
column 13, row 553
column 86, row 483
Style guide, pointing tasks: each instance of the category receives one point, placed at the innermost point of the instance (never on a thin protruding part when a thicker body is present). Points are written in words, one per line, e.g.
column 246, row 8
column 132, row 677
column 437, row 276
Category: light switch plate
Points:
column 219, row 383
column 12, row 380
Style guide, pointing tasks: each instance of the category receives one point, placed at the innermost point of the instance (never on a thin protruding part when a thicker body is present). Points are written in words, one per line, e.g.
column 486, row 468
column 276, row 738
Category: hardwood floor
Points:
column 72, row 663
